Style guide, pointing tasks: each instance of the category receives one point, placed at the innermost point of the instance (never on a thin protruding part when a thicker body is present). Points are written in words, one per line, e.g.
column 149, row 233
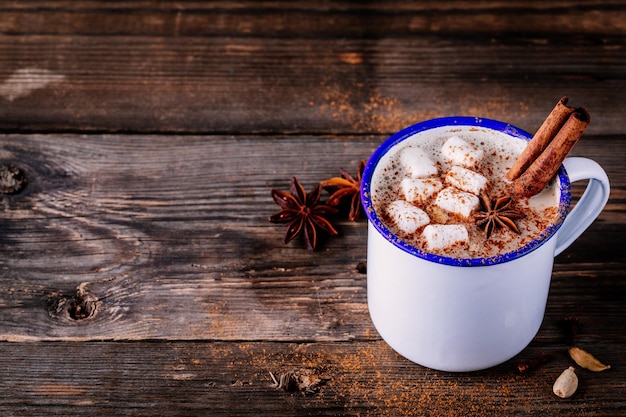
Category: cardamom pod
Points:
column 586, row 360
column 566, row 384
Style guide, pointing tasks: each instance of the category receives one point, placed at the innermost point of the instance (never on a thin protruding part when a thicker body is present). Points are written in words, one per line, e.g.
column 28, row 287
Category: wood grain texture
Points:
column 173, row 233
column 313, row 18
column 188, row 67
column 139, row 274
column 170, row 236
column 233, row 379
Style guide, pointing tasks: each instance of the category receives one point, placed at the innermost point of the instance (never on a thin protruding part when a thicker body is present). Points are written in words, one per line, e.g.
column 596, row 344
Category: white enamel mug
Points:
column 458, row 315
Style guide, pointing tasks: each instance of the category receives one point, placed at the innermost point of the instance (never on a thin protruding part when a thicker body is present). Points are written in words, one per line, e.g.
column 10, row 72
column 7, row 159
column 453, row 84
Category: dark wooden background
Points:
column 150, row 135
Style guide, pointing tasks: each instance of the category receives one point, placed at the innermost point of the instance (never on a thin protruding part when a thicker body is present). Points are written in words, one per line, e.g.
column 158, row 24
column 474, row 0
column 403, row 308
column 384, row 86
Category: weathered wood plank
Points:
column 313, row 18
column 358, row 378
column 154, row 221
column 218, row 68
column 140, row 221
column 170, row 237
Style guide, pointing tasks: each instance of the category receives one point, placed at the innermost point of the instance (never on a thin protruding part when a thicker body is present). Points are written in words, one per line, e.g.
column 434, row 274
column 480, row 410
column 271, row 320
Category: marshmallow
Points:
column 417, row 162
column 461, row 153
column 465, row 179
column 442, row 236
column 406, row 216
column 419, row 190
column 457, row 202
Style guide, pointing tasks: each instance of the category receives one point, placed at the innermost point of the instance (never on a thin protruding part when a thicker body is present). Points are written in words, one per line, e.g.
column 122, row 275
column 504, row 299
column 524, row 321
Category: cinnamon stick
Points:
column 545, row 166
column 548, row 130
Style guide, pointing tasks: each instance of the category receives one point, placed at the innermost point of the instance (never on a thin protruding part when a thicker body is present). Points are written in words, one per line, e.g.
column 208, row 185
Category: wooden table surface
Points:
column 139, row 274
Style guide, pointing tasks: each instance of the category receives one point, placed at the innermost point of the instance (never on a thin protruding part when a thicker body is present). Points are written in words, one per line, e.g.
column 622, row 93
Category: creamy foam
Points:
column 499, row 153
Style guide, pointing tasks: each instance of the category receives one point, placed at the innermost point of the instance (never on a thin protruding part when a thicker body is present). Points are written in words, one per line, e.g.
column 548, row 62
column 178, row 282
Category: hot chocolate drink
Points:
column 443, row 291
column 436, row 193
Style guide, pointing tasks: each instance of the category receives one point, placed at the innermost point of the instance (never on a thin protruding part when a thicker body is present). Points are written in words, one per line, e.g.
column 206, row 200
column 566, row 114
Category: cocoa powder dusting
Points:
column 378, row 114
column 369, row 378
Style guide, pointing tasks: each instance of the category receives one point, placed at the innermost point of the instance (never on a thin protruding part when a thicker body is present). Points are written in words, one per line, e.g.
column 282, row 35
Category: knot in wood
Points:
column 12, row 179
column 81, row 306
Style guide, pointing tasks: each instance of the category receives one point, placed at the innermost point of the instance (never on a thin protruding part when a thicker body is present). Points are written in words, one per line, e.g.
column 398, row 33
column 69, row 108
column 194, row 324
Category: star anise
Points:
column 303, row 213
column 497, row 213
column 344, row 187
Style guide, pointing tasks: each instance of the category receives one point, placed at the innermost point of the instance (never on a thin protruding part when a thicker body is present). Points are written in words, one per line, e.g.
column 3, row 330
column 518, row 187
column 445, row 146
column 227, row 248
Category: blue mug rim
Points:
column 564, row 199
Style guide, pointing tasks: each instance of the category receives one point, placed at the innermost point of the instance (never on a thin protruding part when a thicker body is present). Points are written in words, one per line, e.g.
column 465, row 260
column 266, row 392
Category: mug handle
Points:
column 590, row 204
